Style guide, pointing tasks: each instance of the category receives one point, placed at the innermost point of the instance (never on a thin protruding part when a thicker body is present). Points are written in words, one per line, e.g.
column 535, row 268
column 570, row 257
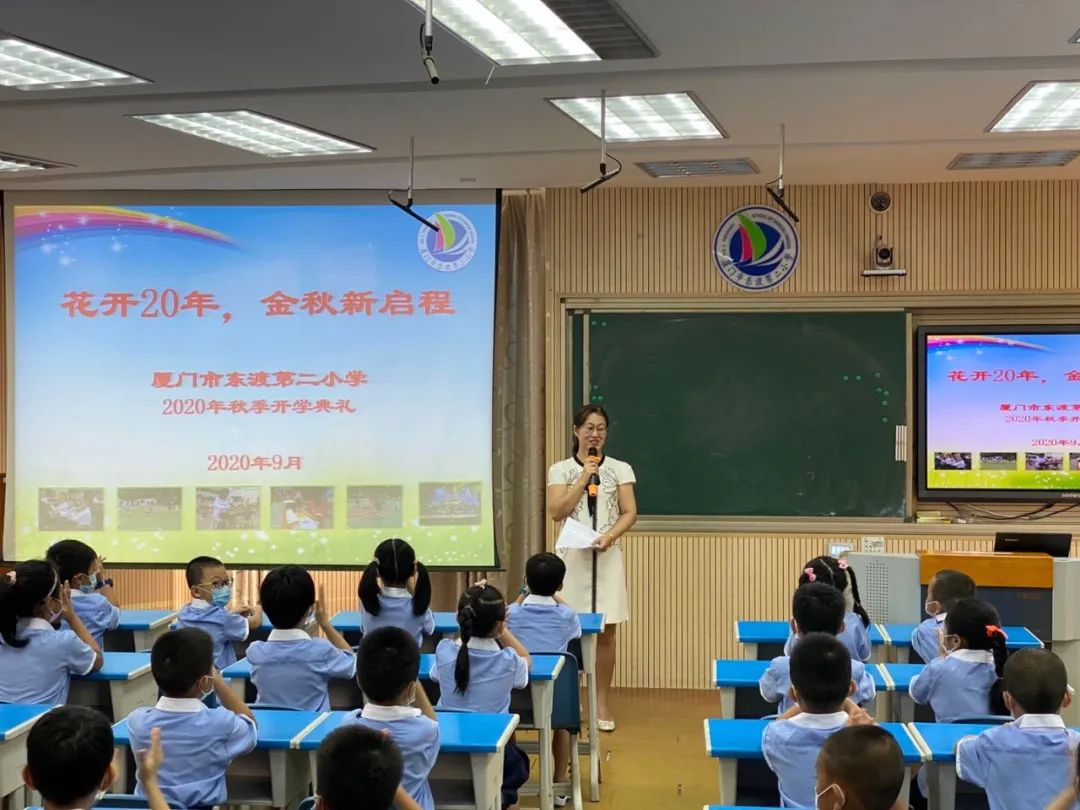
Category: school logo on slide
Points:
column 756, row 248
column 452, row 247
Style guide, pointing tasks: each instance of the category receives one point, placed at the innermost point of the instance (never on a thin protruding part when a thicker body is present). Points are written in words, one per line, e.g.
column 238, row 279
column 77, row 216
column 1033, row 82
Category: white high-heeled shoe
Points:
column 605, row 725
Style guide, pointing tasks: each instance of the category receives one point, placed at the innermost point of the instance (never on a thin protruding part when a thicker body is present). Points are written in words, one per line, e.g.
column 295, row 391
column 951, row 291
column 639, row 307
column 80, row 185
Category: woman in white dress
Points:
column 616, row 512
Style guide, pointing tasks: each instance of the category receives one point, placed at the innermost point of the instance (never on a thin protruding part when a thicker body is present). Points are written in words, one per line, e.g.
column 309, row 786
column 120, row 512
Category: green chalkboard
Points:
column 781, row 414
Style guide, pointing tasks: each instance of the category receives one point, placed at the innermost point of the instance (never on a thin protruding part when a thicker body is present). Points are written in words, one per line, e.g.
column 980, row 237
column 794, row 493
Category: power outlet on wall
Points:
column 873, row 545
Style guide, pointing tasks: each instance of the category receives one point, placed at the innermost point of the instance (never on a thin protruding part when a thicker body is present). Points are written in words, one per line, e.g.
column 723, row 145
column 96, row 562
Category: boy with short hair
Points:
column 211, row 592
column 540, row 619
column 358, row 768
column 946, row 588
column 1024, row 763
column 291, row 668
column 69, row 760
column 389, row 665
column 92, row 596
column 860, row 767
column 820, row 686
column 201, row 742
column 815, row 608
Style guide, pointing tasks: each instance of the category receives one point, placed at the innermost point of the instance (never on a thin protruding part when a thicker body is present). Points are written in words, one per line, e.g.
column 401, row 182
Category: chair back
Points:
column 273, row 707
column 566, row 705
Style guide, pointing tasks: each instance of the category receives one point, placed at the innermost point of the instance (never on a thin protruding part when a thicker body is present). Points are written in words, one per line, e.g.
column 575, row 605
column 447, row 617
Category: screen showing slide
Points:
column 261, row 383
column 1001, row 411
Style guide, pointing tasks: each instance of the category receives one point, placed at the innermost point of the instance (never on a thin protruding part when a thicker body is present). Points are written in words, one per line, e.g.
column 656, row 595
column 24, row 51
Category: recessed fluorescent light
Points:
column 26, row 66
column 659, row 117
column 698, row 168
column 1075, row 38
column 512, row 32
column 1042, row 107
column 18, row 163
column 256, row 132
column 1013, row 160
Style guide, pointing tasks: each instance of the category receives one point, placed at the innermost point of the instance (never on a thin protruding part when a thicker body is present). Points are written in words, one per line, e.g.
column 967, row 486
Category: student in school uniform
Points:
column 395, row 703
column 395, row 591
column 360, row 769
column 201, row 742
column 543, row 622
column 540, row 618
column 945, row 588
column 860, row 767
column 69, row 760
column 815, row 608
column 92, row 595
column 967, row 681
column 1036, row 746
column 820, row 686
column 836, row 572
column 36, row 660
column 291, row 668
column 1069, row 797
column 211, row 592
column 479, row 670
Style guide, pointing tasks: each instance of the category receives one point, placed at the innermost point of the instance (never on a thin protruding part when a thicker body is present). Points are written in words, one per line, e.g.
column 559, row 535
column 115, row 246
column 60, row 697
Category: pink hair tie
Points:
column 810, row 574
column 842, row 564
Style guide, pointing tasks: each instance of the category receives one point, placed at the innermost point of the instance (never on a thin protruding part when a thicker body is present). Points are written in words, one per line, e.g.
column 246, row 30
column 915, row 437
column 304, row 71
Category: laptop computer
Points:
column 1056, row 545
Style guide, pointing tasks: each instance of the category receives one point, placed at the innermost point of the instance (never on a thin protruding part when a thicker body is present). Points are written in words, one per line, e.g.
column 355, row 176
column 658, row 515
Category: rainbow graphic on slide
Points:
column 41, row 224
column 952, row 342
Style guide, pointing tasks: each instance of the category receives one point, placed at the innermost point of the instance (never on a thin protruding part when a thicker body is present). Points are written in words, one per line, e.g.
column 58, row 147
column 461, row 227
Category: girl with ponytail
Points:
column 841, row 576
column 38, row 660
column 478, row 671
column 395, row 591
column 966, row 682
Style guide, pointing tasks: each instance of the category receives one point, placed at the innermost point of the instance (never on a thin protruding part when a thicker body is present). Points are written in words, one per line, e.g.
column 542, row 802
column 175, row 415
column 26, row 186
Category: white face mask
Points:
column 833, row 786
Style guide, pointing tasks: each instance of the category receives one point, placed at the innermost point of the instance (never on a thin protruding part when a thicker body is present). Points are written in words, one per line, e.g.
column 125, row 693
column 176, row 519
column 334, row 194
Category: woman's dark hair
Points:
column 837, row 573
column 35, row 581
column 976, row 622
column 480, row 609
column 582, row 415
column 394, row 564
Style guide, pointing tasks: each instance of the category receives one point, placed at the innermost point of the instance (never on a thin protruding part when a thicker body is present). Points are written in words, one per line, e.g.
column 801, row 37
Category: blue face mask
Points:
column 220, row 597
column 91, row 586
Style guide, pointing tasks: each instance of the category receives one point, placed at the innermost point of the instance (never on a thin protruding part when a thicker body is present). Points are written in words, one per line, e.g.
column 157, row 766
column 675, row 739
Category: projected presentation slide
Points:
column 262, row 383
column 1002, row 411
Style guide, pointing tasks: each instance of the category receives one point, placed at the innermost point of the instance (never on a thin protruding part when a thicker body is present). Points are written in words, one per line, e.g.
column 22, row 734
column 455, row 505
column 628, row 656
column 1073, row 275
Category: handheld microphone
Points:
column 594, row 479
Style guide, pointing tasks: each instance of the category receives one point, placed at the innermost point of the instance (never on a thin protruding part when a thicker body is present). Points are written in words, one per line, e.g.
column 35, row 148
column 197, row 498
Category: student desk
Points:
column 347, row 622
column 898, row 637
column 938, row 742
column 122, row 685
column 15, row 723
column 898, row 678
column 752, row 634
column 731, row 740
column 471, row 749
column 731, row 675
column 276, row 773
column 138, row 630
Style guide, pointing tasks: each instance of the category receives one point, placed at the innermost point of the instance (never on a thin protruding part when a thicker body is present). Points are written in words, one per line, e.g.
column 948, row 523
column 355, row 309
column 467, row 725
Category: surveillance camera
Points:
column 883, row 255
column 884, row 261
column 880, row 201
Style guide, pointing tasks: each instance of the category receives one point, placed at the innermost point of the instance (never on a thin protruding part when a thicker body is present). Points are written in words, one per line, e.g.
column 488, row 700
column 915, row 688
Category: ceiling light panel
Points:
column 698, row 168
column 512, row 32
column 1013, row 160
column 659, row 117
column 1042, row 107
column 255, row 132
column 26, row 66
column 19, row 163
